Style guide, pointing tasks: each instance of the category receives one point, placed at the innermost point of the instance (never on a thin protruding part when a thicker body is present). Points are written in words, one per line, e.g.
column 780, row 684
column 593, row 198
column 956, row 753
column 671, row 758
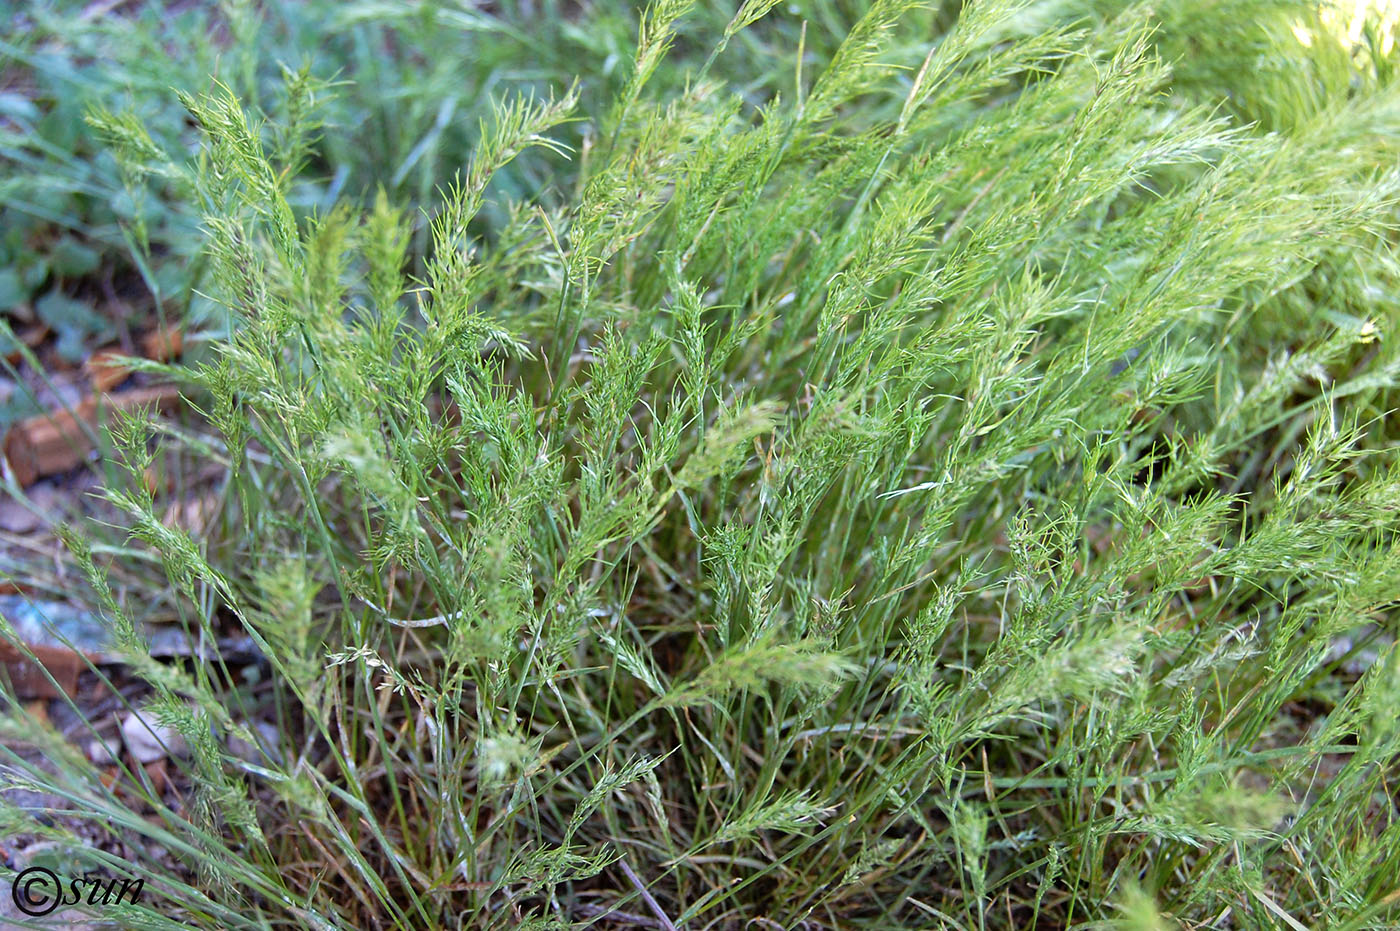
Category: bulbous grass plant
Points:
column 928, row 496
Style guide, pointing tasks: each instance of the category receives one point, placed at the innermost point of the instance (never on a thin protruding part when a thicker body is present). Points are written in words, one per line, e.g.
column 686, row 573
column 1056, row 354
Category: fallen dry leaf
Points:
column 158, row 771
column 104, row 370
column 31, row 336
column 193, row 512
column 163, row 345
column 38, row 710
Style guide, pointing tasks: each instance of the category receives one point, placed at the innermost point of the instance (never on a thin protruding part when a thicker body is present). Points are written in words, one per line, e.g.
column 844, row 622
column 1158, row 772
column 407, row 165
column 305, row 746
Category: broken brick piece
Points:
column 28, row 677
column 60, row 440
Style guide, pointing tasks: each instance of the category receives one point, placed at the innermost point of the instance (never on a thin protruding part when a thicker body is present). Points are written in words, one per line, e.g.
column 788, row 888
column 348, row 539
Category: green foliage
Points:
column 88, row 119
column 926, row 484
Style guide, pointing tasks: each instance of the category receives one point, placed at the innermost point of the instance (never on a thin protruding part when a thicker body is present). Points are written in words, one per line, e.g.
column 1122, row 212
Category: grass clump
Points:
column 947, row 491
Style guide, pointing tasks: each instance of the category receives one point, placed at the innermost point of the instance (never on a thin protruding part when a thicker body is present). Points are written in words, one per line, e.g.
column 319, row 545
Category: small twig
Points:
column 436, row 621
column 99, row 10
column 599, row 911
column 647, row 897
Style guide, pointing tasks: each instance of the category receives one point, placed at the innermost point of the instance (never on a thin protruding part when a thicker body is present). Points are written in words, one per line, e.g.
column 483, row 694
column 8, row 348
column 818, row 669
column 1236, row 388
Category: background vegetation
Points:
column 839, row 465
